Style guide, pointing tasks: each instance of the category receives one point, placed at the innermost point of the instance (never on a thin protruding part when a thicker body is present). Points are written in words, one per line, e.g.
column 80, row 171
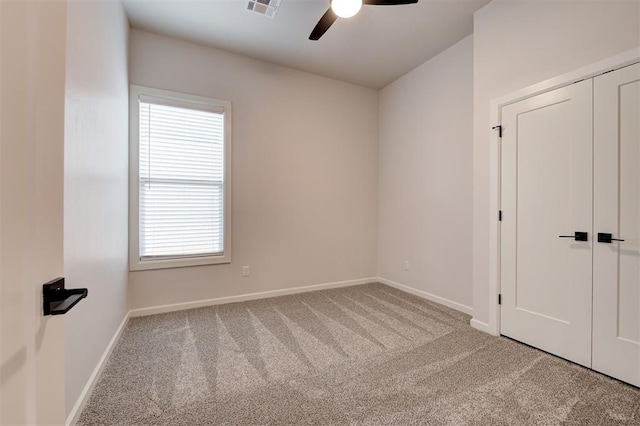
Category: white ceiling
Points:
column 374, row 48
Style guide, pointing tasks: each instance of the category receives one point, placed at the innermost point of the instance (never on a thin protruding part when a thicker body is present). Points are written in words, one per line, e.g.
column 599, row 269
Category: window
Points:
column 179, row 180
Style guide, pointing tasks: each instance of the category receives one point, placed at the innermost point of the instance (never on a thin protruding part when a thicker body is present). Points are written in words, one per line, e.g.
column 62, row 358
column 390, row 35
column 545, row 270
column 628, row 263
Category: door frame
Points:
column 621, row 60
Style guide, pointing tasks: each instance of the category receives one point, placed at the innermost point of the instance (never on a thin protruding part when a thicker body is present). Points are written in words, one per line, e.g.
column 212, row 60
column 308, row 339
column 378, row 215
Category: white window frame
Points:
column 187, row 101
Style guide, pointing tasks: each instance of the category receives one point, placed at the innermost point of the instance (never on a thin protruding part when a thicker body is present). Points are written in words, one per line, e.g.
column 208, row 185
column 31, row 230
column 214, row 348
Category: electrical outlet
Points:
column 245, row 271
column 406, row 265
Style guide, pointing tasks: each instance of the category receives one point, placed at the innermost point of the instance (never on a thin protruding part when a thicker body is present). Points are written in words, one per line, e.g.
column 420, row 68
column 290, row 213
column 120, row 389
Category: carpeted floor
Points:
column 368, row 354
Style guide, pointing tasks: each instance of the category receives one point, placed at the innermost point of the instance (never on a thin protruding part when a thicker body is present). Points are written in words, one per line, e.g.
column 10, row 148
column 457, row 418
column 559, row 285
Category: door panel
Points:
column 616, row 282
column 546, row 193
column 32, row 90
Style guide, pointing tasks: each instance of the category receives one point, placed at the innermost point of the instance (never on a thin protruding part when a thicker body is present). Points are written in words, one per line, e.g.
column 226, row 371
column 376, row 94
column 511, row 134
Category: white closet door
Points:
column 547, row 193
column 616, row 280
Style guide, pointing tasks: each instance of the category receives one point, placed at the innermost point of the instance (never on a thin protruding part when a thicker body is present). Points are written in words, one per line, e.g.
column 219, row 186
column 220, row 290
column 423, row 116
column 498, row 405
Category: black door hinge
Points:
column 500, row 299
column 500, row 215
column 499, row 128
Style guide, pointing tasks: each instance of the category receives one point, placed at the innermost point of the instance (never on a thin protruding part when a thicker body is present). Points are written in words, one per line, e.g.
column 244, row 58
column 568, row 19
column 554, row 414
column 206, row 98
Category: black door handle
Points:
column 578, row 236
column 606, row 238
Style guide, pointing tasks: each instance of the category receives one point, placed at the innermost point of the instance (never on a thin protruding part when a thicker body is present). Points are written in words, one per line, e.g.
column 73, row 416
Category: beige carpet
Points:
column 360, row 355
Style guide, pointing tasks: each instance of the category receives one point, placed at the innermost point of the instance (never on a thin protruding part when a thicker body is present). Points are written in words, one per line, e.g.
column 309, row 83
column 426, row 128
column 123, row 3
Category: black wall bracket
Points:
column 57, row 300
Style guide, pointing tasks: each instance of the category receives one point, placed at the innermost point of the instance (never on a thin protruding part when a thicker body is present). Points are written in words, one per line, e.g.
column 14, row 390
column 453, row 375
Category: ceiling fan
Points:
column 347, row 9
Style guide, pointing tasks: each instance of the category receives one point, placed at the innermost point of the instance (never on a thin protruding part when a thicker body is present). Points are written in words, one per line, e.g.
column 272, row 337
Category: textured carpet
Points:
column 368, row 354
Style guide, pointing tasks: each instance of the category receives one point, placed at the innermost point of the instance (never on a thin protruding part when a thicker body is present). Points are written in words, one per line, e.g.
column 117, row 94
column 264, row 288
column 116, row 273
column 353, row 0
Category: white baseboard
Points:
column 244, row 297
column 482, row 326
column 432, row 297
column 93, row 379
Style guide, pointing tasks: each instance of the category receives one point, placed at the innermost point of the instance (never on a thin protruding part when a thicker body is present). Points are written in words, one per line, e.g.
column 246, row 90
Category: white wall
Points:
column 517, row 44
column 425, row 176
column 32, row 63
column 304, row 207
column 95, row 183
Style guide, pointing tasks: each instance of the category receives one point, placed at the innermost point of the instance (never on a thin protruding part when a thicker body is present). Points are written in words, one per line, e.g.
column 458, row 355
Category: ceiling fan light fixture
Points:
column 346, row 8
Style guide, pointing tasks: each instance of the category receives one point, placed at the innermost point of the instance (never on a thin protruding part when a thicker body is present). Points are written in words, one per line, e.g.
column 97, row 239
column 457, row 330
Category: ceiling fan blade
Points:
column 388, row 2
column 323, row 24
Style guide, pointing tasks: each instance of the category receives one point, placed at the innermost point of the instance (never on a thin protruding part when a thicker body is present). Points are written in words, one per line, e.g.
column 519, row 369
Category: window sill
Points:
column 139, row 265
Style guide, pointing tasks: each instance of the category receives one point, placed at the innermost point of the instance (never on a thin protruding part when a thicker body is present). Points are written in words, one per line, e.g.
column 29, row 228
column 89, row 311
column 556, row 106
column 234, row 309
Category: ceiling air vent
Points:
column 264, row 7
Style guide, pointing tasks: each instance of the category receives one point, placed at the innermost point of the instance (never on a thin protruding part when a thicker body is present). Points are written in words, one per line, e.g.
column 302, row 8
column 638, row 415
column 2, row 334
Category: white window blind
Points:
column 181, row 188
